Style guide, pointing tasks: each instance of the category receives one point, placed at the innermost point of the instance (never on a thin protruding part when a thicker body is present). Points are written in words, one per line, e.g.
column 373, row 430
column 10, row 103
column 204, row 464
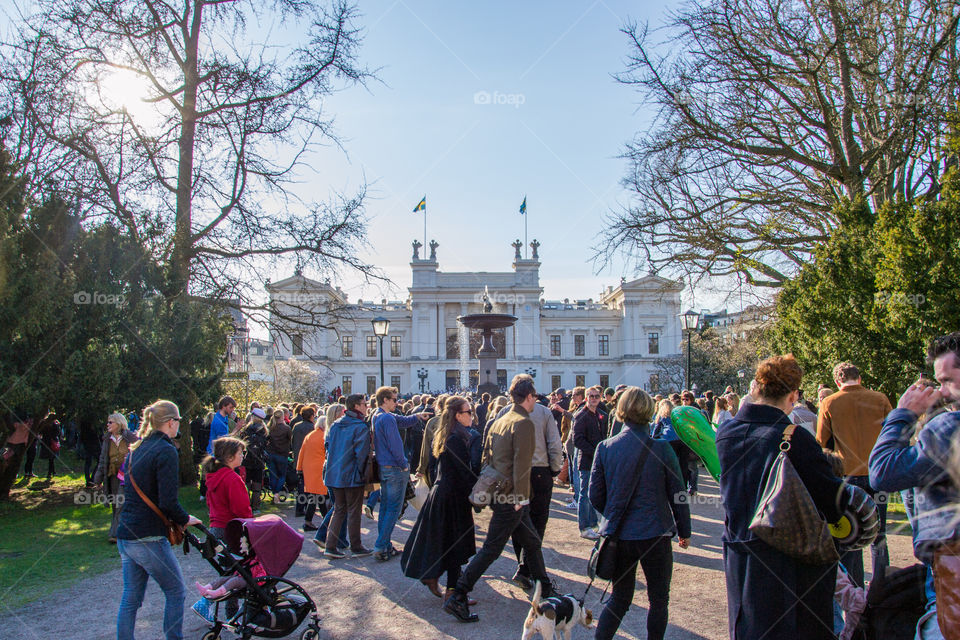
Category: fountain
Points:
column 487, row 322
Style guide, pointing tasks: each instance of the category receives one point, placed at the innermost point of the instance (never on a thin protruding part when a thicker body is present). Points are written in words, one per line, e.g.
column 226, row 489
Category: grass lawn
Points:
column 48, row 541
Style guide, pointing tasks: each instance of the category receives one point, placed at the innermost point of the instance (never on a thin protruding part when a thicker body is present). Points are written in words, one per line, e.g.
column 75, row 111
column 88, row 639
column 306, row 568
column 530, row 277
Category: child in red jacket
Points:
column 227, row 496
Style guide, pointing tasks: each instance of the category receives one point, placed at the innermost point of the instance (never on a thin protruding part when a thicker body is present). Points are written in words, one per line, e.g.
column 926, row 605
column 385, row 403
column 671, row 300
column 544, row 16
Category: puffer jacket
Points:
column 658, row 506
column 347, row 442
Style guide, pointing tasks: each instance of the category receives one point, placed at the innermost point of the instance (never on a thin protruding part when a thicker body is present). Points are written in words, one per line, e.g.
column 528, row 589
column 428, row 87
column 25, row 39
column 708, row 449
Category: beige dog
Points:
column 551, row 616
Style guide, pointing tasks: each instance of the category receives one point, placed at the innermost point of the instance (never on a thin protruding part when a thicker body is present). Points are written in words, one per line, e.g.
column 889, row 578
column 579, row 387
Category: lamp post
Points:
column 381, row 327
column 689, row 321
column 741, row 374
column 422, row 374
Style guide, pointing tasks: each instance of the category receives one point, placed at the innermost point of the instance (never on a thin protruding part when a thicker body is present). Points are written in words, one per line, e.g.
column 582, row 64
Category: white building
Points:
column 617, row 338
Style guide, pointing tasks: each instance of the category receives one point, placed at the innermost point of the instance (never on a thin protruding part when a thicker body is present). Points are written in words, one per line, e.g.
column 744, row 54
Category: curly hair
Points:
column 777, row 376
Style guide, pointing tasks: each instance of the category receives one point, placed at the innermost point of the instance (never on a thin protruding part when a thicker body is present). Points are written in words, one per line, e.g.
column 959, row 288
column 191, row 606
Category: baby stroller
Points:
column 270, row 605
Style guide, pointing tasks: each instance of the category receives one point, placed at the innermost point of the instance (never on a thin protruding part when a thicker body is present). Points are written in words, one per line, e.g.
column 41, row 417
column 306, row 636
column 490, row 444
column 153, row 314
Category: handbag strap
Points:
column 636, row 482
column 143, row 496
column 787, row 436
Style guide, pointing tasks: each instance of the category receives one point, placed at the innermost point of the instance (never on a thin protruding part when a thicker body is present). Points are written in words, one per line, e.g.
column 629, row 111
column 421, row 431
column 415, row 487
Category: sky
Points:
column 479, row 105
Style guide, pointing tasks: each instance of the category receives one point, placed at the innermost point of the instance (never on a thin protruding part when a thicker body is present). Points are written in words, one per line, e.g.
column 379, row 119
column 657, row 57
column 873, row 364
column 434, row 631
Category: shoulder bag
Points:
column 946, row 577
column 786, row 517
column 603, row 558
column 175, row 532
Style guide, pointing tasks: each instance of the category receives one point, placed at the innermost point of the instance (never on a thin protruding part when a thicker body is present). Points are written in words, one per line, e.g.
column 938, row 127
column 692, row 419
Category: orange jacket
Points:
column 310, row 462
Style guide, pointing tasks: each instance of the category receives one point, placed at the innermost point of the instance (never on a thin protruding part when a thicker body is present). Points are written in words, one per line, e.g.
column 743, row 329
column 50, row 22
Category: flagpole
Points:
column 424, row 231
column 525, row 215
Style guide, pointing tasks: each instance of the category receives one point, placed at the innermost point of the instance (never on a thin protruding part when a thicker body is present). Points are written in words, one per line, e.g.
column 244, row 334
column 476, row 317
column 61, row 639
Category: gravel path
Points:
column 362, row 598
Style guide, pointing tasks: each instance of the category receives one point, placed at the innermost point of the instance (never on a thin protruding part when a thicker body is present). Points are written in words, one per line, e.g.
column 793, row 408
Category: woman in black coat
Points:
column 442, row 539
column 771, row 594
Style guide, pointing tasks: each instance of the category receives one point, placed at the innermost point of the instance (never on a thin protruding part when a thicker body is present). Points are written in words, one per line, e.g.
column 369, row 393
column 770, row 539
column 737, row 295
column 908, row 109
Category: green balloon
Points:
column 698, row 434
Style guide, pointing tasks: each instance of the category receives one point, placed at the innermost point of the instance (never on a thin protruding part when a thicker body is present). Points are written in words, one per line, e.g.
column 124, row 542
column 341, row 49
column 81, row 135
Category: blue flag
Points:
column 523, row 206
column 421, row 206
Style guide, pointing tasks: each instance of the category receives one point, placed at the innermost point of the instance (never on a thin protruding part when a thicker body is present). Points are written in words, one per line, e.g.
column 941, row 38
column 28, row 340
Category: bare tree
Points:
column 200, row 166
column 770, row 112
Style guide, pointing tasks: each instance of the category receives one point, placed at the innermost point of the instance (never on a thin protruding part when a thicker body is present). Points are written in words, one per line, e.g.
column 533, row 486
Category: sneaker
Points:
column 362, row 552
column 320, row 543
column 572, row 505
column 548, row 589
column 523, row 581
column 384, row 555
column 202, row 608
column 589, row 534
column 337, row 554
column 309, row 526
column 368, row 512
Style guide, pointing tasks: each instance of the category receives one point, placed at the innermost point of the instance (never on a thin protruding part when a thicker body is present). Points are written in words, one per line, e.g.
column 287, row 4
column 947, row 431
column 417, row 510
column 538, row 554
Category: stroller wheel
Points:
column 310, row 633
column 211, row 635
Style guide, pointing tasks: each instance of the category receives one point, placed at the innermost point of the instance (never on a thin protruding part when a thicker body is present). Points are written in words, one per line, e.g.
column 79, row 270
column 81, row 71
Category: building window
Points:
column 394, row 346
column 554, row 382
column 297, row 345
column 653, row 343
column 453, row 344
column 371, row 346
column 371, row 385
column 452, row 379
column 346, row 385
column 580, row 381
column 579, row 345
column 604, row 380
column 346, row 347
column 554, row 345
column 395, row 382
column 603, row 345
column 655, row 382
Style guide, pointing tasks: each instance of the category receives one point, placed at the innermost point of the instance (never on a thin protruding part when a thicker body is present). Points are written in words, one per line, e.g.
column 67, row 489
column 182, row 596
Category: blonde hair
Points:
column 120, row 419
column 334, row 412
column 157, row 414
column 635, row 406
column 445, row 426
column 664, row 408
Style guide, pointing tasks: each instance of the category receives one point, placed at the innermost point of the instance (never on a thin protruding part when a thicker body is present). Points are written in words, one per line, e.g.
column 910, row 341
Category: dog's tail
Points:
column 535, row 603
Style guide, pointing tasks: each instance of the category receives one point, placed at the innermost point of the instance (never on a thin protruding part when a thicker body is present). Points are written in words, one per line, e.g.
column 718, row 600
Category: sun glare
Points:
column 122, row 89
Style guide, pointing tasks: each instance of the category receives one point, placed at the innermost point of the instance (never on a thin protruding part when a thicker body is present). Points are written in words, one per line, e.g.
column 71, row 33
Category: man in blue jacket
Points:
column 921, row 471
column 348, row 453
column 394, row 469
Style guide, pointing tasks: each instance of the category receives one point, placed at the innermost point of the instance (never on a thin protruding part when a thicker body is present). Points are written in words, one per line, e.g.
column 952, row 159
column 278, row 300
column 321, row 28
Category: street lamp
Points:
column 422, row 374
column 689, row 321
column 741, row 374
column 381, row 327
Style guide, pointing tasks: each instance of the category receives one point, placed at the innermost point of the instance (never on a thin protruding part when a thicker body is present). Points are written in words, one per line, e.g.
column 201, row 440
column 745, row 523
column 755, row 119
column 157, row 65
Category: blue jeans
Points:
column 373, row 499
column 278, row 471
column 586, row 514
column 155, row 559
column 325, row 524
column 393, row 486
column 572, row 462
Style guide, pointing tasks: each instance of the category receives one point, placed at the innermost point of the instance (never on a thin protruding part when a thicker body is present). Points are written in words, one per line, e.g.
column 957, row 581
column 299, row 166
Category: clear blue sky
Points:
column 480, row 104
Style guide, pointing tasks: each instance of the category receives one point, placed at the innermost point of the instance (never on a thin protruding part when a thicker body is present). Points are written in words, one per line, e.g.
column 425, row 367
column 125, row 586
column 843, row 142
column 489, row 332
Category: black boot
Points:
column 456, row 605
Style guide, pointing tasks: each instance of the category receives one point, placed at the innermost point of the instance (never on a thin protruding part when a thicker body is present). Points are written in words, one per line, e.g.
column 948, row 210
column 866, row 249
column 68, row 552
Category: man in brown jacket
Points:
column 849, row 423
column 508, row 448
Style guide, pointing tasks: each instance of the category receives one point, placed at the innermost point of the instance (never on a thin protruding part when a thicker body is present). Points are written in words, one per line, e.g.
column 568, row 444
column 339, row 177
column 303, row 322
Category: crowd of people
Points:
column 630, row 473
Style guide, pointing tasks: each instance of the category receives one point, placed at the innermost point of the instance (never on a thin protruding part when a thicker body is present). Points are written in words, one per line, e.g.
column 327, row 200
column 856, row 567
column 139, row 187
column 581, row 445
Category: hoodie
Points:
column 227, row 496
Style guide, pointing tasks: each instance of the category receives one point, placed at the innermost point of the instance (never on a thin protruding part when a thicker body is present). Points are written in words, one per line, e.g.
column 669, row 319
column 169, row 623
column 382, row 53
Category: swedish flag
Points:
column 523, row 206
column 421, row 206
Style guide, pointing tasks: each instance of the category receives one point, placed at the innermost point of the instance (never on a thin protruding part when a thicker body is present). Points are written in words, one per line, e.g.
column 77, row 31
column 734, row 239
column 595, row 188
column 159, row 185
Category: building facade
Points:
column 615, row 339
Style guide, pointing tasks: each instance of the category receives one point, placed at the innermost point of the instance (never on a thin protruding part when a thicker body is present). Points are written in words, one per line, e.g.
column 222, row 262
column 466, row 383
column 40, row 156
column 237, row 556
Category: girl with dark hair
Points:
column 226, row 486
column 442, row 539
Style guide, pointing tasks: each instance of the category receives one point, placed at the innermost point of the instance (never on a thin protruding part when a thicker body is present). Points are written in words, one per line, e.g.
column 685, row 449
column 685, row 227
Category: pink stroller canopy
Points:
column 276, row 544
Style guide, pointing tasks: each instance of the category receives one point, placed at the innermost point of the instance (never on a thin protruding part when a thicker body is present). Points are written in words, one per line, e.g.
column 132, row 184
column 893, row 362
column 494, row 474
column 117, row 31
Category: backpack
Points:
column 895, row 602
column 255, row 457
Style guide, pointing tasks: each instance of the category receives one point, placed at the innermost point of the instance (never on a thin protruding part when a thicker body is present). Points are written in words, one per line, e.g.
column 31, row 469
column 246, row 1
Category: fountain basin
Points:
column 487, row 320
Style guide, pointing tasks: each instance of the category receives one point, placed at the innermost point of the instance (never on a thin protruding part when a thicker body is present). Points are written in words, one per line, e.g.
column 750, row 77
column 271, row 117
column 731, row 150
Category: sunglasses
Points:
column 466, row 411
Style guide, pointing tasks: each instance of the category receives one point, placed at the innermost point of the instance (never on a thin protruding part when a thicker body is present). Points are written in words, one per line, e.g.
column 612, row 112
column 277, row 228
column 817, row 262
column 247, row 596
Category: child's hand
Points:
column 193, row 520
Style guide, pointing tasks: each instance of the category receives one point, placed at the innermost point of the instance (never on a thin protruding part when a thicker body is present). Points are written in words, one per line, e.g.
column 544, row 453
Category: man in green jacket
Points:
column 508, row 449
